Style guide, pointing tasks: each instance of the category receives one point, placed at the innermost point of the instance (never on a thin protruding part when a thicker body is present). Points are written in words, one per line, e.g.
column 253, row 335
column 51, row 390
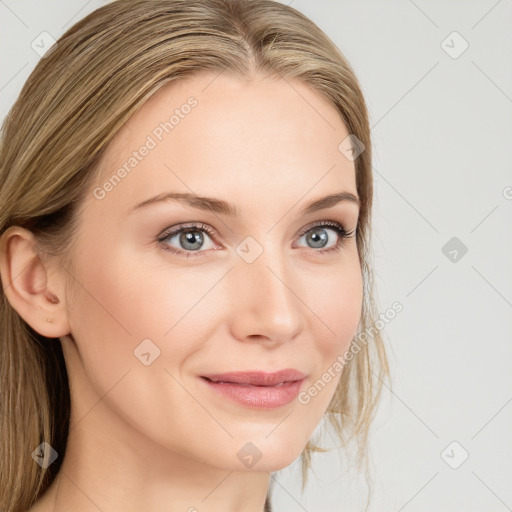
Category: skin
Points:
column 154, row 437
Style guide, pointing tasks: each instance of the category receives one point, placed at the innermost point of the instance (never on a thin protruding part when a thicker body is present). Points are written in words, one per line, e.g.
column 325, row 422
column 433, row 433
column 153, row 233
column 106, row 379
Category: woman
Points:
column 186, row 194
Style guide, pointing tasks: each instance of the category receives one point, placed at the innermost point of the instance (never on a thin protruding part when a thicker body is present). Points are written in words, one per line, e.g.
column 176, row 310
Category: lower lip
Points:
column 263, row 397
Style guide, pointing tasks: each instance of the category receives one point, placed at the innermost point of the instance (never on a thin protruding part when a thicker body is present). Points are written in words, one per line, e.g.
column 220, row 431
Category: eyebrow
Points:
column 223, row 207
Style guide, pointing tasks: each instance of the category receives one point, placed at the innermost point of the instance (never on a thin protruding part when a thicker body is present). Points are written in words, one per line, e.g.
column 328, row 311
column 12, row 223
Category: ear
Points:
column 33, row 287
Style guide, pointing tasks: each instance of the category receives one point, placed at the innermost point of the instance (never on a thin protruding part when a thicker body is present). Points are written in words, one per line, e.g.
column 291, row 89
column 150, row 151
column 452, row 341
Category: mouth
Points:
column 257, row 389
column 247, row 384
column 257, row 378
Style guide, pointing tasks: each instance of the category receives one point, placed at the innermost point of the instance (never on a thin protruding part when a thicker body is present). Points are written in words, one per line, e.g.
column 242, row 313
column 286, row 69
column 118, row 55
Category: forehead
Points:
column 224, row 136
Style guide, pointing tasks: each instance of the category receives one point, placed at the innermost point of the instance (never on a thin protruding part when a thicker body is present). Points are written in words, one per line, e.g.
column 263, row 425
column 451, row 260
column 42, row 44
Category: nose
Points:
column 267, row 300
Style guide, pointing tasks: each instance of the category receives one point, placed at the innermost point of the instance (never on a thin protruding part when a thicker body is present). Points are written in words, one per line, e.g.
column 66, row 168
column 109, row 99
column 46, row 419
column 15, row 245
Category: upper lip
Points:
column 257, row 378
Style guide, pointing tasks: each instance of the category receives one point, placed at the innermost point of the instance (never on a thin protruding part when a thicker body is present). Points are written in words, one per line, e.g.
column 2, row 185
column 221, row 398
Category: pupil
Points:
column 318, row 240
column 190, row 237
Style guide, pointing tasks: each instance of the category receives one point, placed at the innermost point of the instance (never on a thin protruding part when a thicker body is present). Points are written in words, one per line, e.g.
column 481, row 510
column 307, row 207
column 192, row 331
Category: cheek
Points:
column 124, row 301
column 337, row 301
column 340, row 307
column 119, row 307
column 112, row 312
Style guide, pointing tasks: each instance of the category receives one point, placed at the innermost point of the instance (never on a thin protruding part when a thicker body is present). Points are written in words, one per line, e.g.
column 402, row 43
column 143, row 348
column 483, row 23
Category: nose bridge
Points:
column 265, row 284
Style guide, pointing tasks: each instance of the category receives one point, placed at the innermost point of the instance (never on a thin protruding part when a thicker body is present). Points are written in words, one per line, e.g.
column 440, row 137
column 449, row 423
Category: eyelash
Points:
column 336, row 226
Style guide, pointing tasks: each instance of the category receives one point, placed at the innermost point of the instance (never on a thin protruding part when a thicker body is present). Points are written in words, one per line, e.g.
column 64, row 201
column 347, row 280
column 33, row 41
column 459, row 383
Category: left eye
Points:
column 191, row 238
column 318, row 236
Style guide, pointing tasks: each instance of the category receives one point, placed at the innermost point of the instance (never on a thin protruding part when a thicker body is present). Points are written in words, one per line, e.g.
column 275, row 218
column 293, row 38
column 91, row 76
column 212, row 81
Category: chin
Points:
column 276, row 463
column 270, row 453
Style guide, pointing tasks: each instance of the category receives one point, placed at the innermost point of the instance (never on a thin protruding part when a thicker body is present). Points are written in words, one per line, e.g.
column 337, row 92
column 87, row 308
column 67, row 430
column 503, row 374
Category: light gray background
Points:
column 442, row 131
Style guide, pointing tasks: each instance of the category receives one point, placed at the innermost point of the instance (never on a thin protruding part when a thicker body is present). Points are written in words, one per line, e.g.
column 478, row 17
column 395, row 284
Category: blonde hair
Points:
column 97, row 75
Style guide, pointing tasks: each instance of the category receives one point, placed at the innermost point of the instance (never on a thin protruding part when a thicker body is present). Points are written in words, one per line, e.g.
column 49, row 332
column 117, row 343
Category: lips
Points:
column 257, row 378
column 257, row 389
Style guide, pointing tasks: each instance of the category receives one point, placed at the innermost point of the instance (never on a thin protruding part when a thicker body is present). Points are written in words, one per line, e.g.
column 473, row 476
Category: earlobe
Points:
column 33, row 288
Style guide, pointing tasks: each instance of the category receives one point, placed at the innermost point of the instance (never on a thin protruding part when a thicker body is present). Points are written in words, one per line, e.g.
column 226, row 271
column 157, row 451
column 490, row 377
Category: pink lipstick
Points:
column 257, row 389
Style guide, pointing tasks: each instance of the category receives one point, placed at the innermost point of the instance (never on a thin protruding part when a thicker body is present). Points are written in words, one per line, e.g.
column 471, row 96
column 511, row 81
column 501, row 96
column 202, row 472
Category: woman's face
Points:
column 261, row 291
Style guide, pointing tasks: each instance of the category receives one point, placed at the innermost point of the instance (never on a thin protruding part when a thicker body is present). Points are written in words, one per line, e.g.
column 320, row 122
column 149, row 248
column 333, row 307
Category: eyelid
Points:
column 173, row 230
column 309, row 227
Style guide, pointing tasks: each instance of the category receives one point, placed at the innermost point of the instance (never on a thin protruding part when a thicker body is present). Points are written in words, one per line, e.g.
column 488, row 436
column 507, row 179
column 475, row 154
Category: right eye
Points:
column 190, row 237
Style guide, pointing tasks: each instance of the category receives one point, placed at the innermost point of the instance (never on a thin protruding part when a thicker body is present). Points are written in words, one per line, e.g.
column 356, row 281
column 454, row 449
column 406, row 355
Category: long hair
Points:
column 95, row 77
